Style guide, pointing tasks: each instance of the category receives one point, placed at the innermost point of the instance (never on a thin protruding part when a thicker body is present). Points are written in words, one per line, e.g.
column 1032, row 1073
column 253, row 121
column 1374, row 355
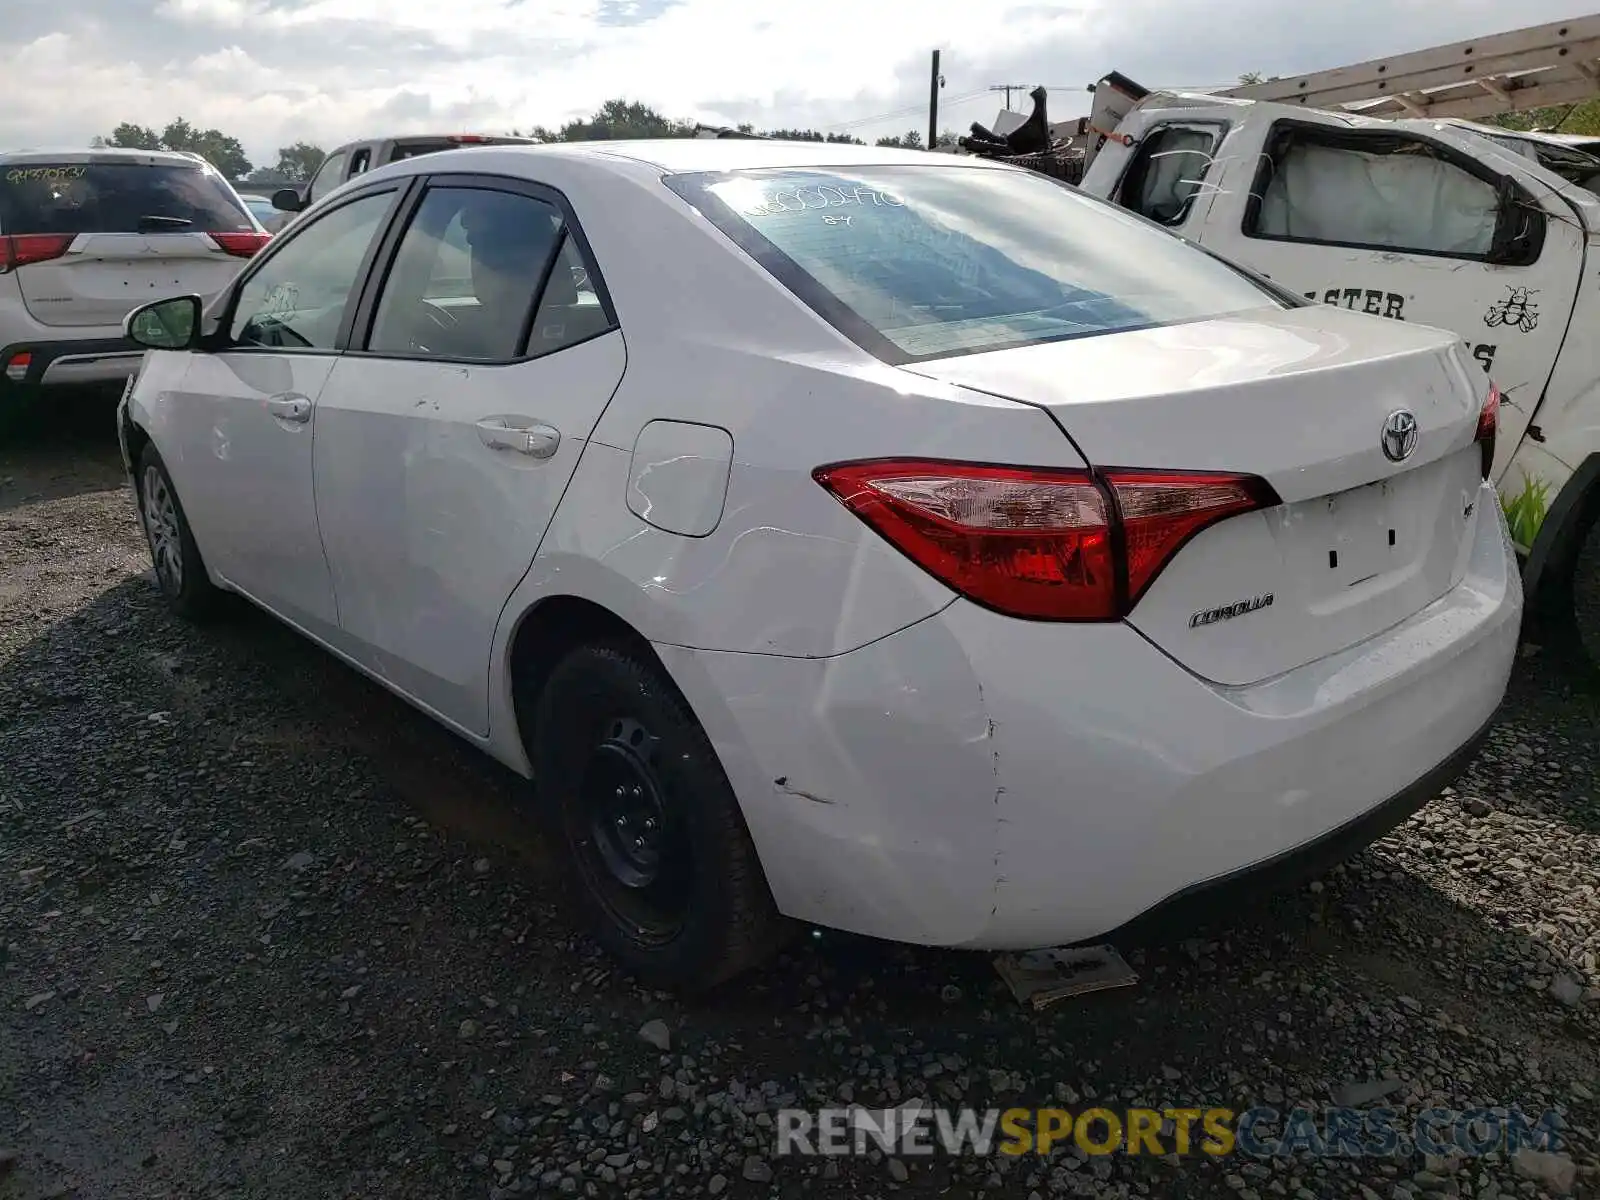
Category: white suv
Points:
column 87, row 234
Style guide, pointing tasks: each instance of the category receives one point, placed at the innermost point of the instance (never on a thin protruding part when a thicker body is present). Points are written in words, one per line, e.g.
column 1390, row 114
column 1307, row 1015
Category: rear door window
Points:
column 487, row 275
column 116, row 197
column 917, row 262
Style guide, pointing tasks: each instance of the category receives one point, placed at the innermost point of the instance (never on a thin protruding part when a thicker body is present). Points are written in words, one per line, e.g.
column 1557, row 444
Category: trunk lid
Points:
column 103, row 276
column 1300, row 398
column 131, row 229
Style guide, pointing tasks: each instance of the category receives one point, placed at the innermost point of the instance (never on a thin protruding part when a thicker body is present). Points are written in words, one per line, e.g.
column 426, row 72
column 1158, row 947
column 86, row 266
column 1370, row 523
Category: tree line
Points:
column 298, row 162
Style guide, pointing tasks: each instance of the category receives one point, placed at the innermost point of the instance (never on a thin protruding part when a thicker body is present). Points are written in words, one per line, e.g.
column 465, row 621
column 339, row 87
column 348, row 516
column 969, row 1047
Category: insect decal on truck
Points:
column 1517, row 310
column 1368, row 300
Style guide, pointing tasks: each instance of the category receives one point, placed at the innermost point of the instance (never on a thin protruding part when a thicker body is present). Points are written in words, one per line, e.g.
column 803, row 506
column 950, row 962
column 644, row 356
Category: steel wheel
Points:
column 659, row 859
column 630, row 847
column 160, row 512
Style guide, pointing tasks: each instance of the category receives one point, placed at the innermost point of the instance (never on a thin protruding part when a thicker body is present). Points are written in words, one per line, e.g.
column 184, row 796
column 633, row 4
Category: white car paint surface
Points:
column 1030, row 741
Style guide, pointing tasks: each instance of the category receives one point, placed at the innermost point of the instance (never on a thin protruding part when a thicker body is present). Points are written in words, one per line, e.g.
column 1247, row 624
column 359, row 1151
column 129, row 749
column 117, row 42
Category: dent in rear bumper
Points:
column 979, row 781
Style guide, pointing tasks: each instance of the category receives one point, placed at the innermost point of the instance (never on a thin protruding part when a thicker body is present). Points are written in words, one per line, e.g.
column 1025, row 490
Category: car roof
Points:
column 102, row 154
column 675, row 155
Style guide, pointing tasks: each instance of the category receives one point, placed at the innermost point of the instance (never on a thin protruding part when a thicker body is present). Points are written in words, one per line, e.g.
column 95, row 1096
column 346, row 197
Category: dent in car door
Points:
column 1400, row 227
column 443, row 450
column 245, row 415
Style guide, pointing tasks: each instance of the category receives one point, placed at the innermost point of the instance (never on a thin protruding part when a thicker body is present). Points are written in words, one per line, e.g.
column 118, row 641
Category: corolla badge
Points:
column 1399, row 437
column 1210, row 616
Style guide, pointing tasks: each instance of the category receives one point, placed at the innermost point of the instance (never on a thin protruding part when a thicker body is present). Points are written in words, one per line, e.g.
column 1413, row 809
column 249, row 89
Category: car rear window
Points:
column 921, row 262
column 100, row 197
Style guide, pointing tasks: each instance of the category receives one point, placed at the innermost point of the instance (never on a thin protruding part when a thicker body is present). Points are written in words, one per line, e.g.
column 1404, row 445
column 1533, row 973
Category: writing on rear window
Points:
column 810, row 199
column 922, row 262
column 119, row 197
column 29, row 174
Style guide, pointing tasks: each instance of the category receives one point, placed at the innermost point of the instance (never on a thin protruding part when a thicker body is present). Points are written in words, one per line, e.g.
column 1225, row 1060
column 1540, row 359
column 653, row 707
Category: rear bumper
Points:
column 65, row 363
column 984, row 782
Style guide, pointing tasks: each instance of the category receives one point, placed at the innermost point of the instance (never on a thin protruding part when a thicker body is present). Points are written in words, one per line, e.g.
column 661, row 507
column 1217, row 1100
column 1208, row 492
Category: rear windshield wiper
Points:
column 154, row 224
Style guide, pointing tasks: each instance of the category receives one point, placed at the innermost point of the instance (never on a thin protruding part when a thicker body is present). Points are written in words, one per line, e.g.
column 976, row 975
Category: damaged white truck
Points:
column 1415, row 214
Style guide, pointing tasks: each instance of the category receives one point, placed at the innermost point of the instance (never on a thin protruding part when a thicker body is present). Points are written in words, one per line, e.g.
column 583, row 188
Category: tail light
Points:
column 467, row 139
column 18, row 250
column 1488, row 427
column 1040, row 542
column 240, row 245
column 17, row 367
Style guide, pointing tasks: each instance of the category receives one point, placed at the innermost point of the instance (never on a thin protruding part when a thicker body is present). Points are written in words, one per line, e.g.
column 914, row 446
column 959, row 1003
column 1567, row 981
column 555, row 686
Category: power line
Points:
column 907, row 111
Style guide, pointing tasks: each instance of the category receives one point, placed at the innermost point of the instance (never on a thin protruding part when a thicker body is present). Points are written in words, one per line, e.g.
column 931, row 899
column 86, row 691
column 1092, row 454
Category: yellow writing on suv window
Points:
column 30, row 174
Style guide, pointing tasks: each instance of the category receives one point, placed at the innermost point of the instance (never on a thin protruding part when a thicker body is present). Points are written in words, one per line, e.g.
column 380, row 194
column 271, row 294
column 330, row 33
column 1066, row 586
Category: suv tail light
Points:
column 240, row 245
column 1489, row 427
column 20, row 249
column 1040, row 542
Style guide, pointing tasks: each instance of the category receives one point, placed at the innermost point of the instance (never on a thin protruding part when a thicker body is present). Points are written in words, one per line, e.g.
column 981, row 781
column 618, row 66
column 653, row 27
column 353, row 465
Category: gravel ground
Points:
column 265, row 932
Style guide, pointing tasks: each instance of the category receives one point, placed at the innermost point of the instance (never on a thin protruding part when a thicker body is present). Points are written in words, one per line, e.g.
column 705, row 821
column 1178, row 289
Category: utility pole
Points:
column 934, row 84
column 1008, row 88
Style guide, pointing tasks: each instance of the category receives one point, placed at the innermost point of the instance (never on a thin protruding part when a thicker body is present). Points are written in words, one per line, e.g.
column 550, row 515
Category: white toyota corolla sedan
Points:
column 888, row 541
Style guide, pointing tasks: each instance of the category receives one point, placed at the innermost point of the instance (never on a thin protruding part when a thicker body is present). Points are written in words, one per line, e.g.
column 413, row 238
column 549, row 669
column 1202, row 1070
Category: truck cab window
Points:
column 1376, row 191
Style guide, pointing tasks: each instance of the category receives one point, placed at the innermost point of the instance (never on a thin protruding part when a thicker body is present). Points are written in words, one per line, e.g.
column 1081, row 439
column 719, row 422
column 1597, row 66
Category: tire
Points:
column 180, row 571
column 1582, row 614
column 682, row 903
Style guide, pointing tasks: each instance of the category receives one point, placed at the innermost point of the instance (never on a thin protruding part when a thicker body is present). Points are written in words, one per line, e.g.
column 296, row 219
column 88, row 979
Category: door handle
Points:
column 290, row 408
column 537, row 440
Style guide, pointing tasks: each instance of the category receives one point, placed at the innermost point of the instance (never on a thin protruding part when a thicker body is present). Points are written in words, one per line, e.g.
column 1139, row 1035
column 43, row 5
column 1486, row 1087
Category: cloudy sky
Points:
column 274, row 71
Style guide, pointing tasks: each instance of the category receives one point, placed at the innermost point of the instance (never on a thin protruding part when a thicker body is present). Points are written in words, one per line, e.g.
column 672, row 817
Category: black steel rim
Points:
column 629, row 842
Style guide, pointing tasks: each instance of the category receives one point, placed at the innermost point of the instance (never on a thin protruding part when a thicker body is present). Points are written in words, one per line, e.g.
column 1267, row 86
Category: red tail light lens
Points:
column 240, row 245
column 1161, row 510
column 1039, row 542
column 1489, row 427
column 18, row 250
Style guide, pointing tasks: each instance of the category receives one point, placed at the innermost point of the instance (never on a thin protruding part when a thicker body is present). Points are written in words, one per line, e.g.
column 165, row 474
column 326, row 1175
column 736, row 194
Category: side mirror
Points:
column 288, row 200
column 171, row 324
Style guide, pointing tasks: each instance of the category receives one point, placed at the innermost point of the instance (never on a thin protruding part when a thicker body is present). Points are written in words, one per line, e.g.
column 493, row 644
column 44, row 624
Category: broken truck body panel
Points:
column 1419, row 220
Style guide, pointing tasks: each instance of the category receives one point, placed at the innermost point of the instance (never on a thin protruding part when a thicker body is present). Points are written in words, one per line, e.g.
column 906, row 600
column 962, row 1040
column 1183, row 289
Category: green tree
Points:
column 812, row 135
column 911, row 139
column 616, row 119
column 128, row 136
column 299, row 162
column 1562, row 118
column 221, row 151
column 631, row 119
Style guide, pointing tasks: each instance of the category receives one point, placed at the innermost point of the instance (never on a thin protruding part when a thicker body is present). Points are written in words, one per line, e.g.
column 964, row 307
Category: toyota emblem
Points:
column 1399, row 438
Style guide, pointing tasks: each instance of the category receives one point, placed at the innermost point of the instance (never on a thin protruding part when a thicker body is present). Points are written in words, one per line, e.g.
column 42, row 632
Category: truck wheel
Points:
column 662, row 864
column 1584, row 613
